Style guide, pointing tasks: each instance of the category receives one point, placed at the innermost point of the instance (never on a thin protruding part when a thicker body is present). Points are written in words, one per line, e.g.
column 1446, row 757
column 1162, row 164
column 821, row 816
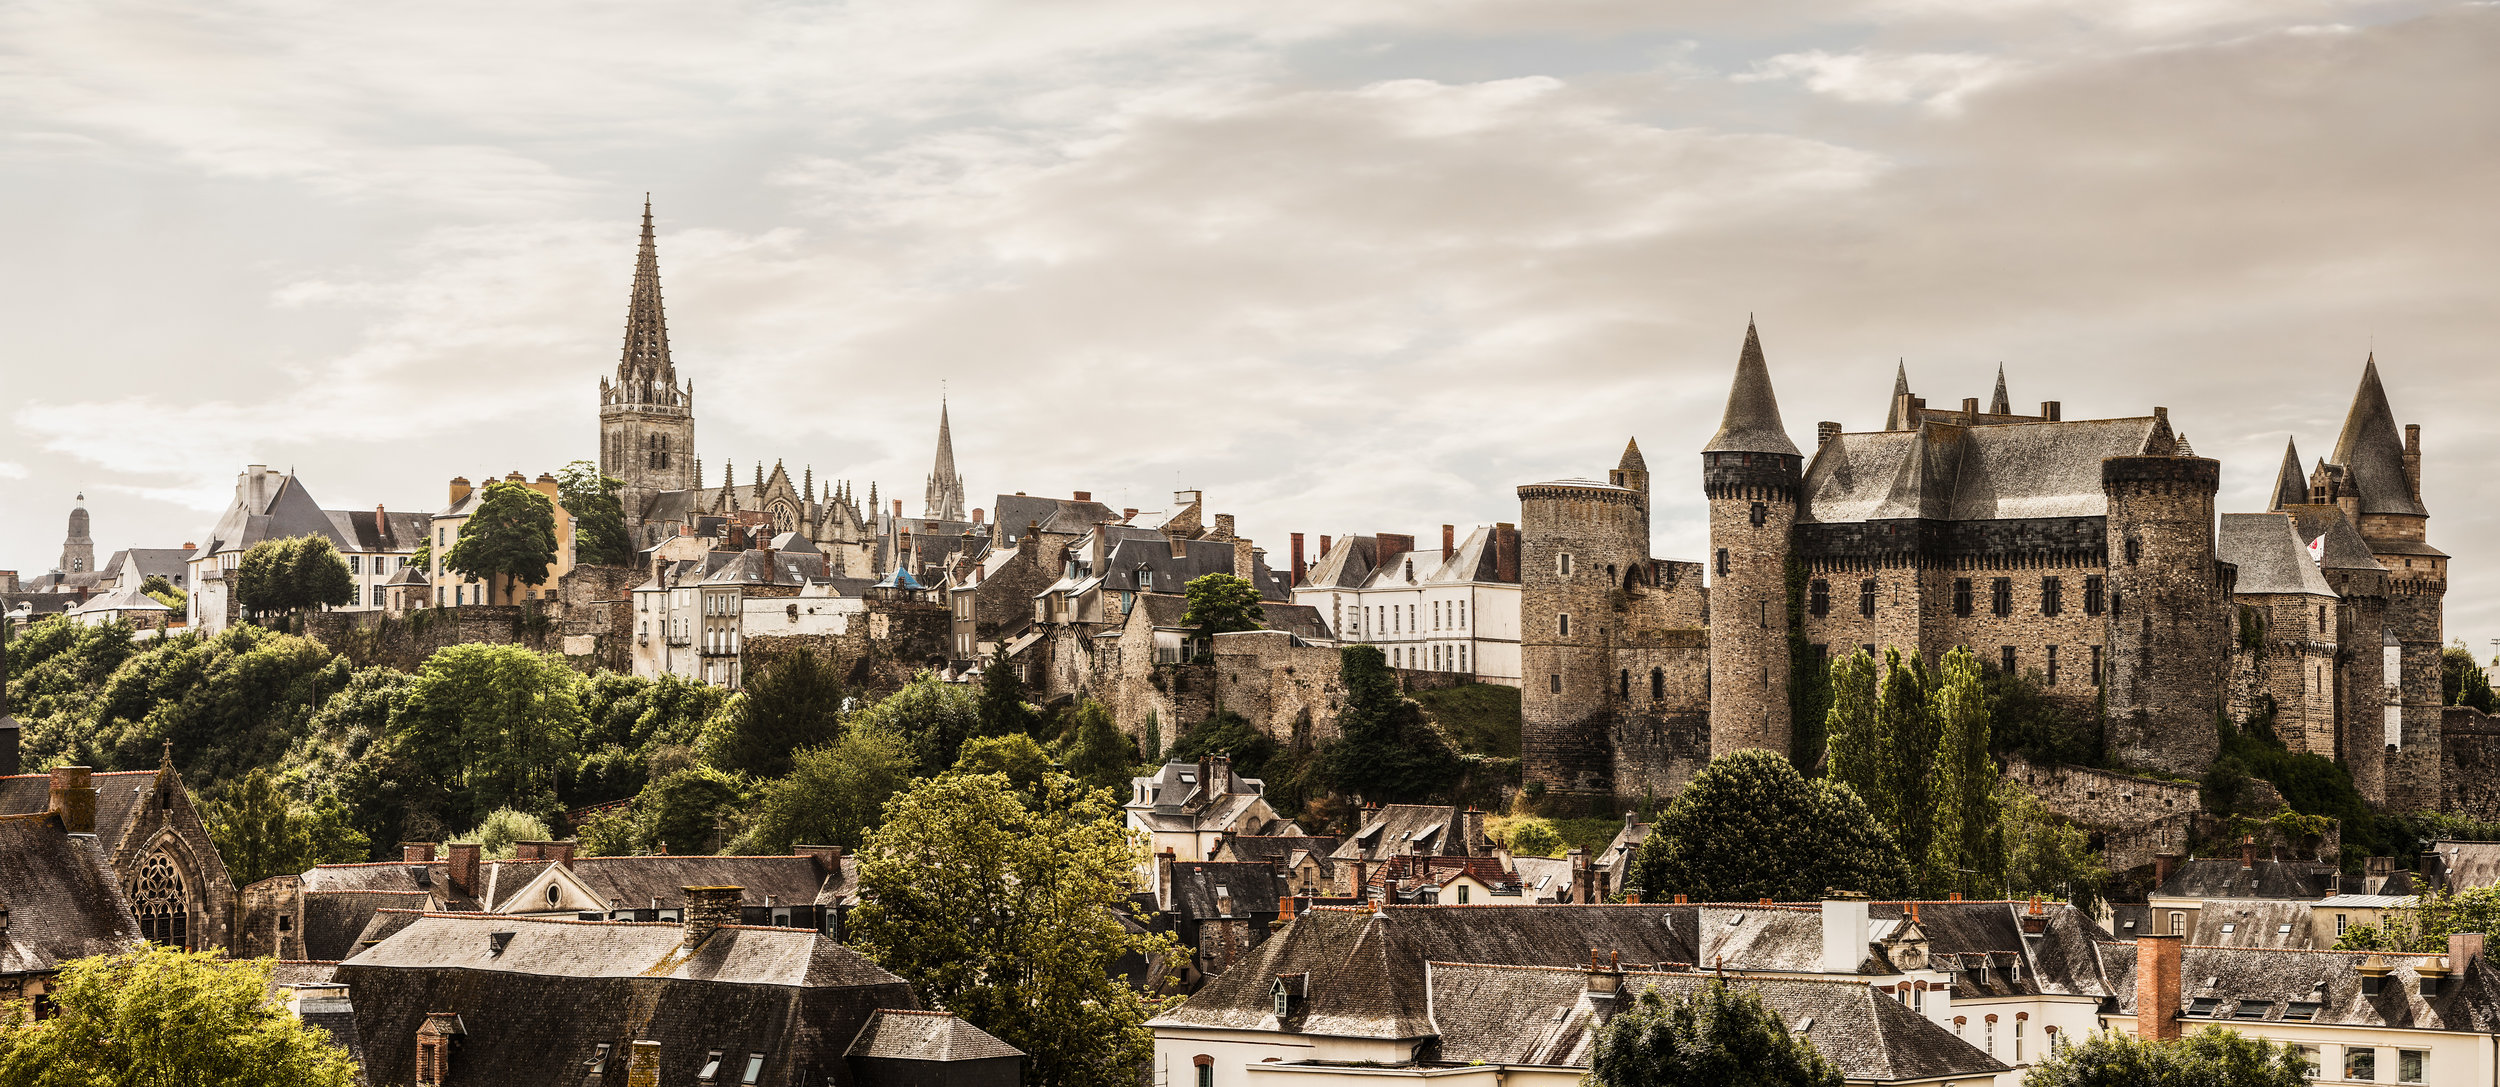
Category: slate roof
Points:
column 1944, row 471
column 118, row 794
column 1120, row 566
column 1300, row 620
column 2274, row 979
column 551, row 947
column 912, row 1035
column 2252, row 922
column 759, row 567
column 1544, row 1016
column 1263, row 848
column 2371, row 448
column 2222, row 877
column 1752, row 421
column 1392, row 829
column 334, row 921
column 1209, row 889
column 170, row 563
column 1543, row 879
column 63, row 899
column 1619, row 851
column 291, row 511
column 2291, row 484
column 2345, row 549
column 2464, row 866
column 122, row 600
column 1065, row 516
column 1347, row 564
column 2058, row 962
column 2271, row 554
column 1352, row 562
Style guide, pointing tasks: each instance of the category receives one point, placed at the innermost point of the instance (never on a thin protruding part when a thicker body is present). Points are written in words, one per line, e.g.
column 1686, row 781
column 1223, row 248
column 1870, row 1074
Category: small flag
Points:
column 2317, row 549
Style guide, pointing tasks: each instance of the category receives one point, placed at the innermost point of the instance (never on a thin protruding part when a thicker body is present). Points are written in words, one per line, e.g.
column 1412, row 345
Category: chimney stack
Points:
column 1583, row 878
column 1449, row 542
column 1244, row 562
column 1323, row 546
column 828, row 858
column 2035, row 919
column 1846, row 929
column 1298, row 567
column 2052, row 410
column 459, row 489
column 1824, row 432
column 464, row 865
column 1506, row 552
column 1970, row 411
column 1605, row 974
column 2463, row 949
column 707, row 909
column 1084, row 496
column 73, row 798
column 2163, row 865
column 642, row 1065
column 1223, row 527
column 381, row 524
column 2248, row 852
column 416, row 852
column 2157, row 987
column 976, row 518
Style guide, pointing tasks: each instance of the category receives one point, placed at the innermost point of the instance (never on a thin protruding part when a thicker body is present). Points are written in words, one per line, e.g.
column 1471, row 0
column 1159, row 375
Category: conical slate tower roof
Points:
column 2291, row 485
column 1632, row 461
column 2372, row 450
column 1900, row 388
column 1998, row 404
column 645, row 373
column 1752, row 423
column 945, row 500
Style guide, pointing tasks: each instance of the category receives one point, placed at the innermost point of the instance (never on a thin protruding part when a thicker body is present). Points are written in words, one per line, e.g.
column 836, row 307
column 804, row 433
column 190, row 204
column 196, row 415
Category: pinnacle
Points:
column 1632, row 461
column 1999, row 405
column 1900, row 388
column 2290, row 487
column 1752, row 423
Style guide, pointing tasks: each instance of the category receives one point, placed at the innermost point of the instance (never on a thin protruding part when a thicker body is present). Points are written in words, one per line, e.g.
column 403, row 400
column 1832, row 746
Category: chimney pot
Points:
column 707, row 909
column 2052, row 410
column 1970, row 410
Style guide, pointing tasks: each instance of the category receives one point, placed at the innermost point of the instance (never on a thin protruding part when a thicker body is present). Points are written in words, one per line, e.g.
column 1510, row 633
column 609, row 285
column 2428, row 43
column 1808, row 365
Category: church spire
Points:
column 2291, row 486
column 1752, row 423
column 645, row 372
column 1896, row 412
column 1998, row 404
column 945, row 500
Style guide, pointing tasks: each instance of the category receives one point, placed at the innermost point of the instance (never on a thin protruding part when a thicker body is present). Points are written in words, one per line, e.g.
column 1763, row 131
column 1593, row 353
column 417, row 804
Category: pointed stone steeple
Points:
column 1632, row 461
column 945, row 499
column 1896, row 414
column 645, row 374
column 1998, row 404
column 2372, row 450
column 1752, row 423
column 2291, row 485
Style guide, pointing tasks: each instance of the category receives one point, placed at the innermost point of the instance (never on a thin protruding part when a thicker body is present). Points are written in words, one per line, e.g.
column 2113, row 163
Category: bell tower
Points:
column 646, row 419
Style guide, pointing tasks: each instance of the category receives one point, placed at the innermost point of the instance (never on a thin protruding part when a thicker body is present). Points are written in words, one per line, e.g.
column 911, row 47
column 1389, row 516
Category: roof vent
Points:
column 496, row 942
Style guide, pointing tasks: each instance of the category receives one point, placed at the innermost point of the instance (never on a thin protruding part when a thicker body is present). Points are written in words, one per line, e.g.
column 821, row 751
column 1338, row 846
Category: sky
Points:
column 1347, row 266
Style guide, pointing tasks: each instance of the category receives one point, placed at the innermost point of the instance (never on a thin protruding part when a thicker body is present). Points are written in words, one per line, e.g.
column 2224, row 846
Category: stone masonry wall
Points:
column 880, row 651
column 1568, row 626
column 1753, row 515
column 2167, row 637
column 2469, row 749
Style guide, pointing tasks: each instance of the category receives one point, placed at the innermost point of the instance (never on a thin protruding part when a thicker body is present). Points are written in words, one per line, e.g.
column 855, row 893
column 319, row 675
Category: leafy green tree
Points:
column 1003, row 709
column 1916, row 748
column 511, row 535
column 1386, row 750
column 1857, row 748
column 2425, row 926
column 488, row 726
column 261, row 832
column 1967, row 834
column 2462, row 681
column 795, row 702
column 155, row 1015
column 1231, row 735
column 228, row 704
column 1749, row 826
column 163, row 592
column 1154, row 738
column 1715, row 1035
column 690, row 811
column 1222, row 604
column 2044, row 854
column 936, row 717
column 1530, row 836
column 599, row 535
column 1095, row 752
column 2213, row 1057
column 624, row 719
column 292, row 575
column 833, row 795
column 1015, row 757
column 1005, row 913
column 497, row 834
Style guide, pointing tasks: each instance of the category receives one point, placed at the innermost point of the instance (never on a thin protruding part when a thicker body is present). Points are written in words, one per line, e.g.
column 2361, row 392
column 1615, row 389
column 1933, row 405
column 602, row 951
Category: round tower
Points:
column 1577, row 539
column 1750, row 473
column 78, row 548
column 2167, row 637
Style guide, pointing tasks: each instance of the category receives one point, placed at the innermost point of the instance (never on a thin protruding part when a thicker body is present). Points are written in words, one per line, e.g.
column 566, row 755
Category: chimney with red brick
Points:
column 416, row 852
column 1449, row 542
column 2157, row 987
column 464, row 868
column 72, row 797
column 1298, row 566
column 1506, row 552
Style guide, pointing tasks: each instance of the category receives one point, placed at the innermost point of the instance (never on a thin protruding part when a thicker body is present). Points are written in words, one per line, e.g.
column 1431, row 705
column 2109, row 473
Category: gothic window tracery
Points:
column 157, row 897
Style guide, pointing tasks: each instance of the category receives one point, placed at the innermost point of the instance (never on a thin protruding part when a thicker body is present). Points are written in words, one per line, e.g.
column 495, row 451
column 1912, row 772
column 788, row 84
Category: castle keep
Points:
column 2086, row 554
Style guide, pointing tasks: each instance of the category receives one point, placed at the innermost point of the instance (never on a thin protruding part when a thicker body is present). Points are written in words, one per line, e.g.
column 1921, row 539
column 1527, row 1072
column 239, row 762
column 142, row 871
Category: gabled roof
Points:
column 122, row 600
column 2270, row 554
column 2252, row 922
column 1752, row 422
column 118, row 797
column 1394, row 829
column 1202, row 890
column 63, row 900
column 2271, row 980
column 908, row 1035
column 2345, row 549
column 2223, row 877
column 1062, row 516
column 546, row 947
column 2372, row 450
column 1300, row 620
column 2464, row 866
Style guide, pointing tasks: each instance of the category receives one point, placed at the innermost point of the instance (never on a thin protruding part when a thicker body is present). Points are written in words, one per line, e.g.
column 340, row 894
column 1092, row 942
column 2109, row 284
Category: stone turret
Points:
column 1750, row 473
column 2167, row 640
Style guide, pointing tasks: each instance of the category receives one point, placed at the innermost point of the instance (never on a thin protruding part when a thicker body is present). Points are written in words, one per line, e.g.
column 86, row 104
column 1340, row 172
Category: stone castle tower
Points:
column 78, row 548
column 646, row 419
column 1750, row 473
column 945, row 500
column 1579, row 540
column 2168, row 644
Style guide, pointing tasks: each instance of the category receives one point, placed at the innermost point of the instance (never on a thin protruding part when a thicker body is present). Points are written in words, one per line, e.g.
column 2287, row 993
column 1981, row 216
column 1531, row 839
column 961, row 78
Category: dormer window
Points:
column 711, row 1067
column 598, row 1061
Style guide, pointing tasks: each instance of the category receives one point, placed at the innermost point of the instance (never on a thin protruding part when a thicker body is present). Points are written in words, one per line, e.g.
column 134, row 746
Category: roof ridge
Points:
column 481, row 915
column 916, row 1011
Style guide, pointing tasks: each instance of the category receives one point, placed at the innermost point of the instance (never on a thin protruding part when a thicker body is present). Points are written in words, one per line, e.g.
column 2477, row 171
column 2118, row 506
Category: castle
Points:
column 2083, row 553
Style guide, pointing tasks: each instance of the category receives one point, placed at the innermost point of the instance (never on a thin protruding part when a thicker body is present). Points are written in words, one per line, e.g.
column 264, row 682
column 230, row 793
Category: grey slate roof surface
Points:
column 334, row 921
column 63, row 899
column 2276, row 978
column 2222, row 877
column 2345, row 549
column 551, row 947
column 2271, row 555
column 2467, row 865
column 2060, row 961
column 1752, row 421
column 1393, row 829
column 118, row 794
column 907, row 1034
column 1300, row 620
column 1209, row 889
column 2253, row 922
column 1347, row 564
column 1281, row 847
column 2372, row 449
column 1065, row 516
column 1171, row 575
column 2291, row 484
column 1948, row 472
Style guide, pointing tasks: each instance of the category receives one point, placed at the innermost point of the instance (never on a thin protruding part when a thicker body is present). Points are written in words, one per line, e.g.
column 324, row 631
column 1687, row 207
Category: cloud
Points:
column 1937, row 80
column 10, row 469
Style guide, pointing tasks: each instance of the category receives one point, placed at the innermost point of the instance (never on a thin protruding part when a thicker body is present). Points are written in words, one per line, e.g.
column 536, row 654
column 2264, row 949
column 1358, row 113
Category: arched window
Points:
column 156, row 896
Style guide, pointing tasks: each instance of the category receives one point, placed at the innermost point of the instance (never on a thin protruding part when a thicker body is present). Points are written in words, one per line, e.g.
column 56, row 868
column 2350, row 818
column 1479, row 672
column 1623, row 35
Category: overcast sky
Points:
column 1349, row 267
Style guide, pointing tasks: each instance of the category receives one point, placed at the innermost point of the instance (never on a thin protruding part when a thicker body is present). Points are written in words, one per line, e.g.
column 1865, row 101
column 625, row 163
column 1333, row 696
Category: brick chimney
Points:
column 525, row 851
column 2163, row 865
column 1392, row 546
column 1084, row 496
column 1605, row 974
column 1223, row 527
column 1449, row 542
column 416, row 852
column 707, row 909
column 73, row 798
column 2463, row 949
column 1506, row 551
column 1323, row 546
column 642, row 1065
column 1475, row 829
column 2248, row 852
column 459, row 489
column 434, row 1047
column 381, row 524
column 1824, row 432
column 2035, row 919
column 828, row 858
column 2157, row 987
column 1583, row 877
column 1298, row 566
column 464, row 865
column 976, row 517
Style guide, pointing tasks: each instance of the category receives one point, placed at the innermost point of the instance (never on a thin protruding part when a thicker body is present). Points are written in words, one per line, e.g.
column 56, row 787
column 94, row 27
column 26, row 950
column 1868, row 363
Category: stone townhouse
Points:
column 2081, row 553
column 465, row 998
column 325, row 913
column 694, row 617
column 1186, row 809
column 456, row 589
column 1454, row 610
column 271, row 505
column 150, row 833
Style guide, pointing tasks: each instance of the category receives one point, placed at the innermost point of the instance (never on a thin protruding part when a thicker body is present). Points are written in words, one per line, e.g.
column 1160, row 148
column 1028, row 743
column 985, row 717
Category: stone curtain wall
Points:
column 2470, row 758
column 2136, row 817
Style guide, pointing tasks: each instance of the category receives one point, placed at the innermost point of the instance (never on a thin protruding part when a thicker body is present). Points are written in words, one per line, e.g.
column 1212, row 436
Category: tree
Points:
column 1222, row 604
column 1967, row 835
column 163, row 592
column 1386, row 749
column 511, row 535
column 1714, row 1035
column 1003, row 709
column 1014, row 757
column 1916, row 749
column 624, row 719
column 599, row 535
column 1006, row 914
column 833, row 795
column 1530, row 836
column 2462, row 681
column 2044, row 854
column 935, row 717
column 292, row 575
column 1249, row 748
column 501, row 829
column 1095, row 751
column 261, row 833
column 155, row 1015
column 488, row 726
column 796, row 702
column 2213, row 1057
column 689, row 811
column 1749, row 826
column 2425, row 926
column 1154, row 738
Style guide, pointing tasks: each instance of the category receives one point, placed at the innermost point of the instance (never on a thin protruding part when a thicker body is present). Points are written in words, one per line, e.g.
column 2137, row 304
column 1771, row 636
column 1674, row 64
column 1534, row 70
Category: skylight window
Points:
column 2202, row 1007
column 711, row 1067
column 2303, row 1010
column 755, row 1069
column 2250, row 1009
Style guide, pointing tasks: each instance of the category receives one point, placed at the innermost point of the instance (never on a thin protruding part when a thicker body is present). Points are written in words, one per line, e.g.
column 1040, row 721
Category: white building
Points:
column 1451, row 610
column 271, row 505
column 693, row 619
